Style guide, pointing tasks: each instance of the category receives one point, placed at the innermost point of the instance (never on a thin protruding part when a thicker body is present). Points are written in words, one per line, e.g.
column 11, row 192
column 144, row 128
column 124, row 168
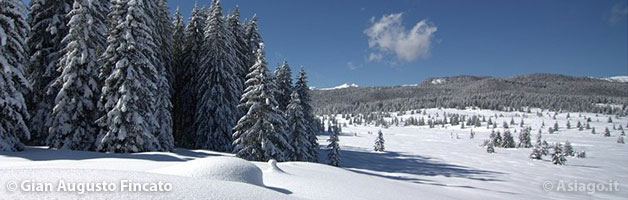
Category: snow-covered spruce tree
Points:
column 162, row 60
column 568, row 149
column 607, row 133
column 508, row 141
column 283, row 80
column 48, row 22
column 297, row 130
column 259, row 135
column 241, row 47
column 620, row 140
column 558, row 158
column 303, row 89
column 129, row 92
column 75, row 110
column 253, row 38
column 536, row 154
column 524, row 138
column 498, row 140
column 490, row 148
column 185, row 81
column 203, row 13
column 334, row 149
column 539, row 139
column 379, row 142
column 218, row 93
column 13, row 82
column 165, row 30
column 178, row 66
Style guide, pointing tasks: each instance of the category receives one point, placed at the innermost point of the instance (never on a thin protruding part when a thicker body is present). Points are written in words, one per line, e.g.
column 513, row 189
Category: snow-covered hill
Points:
column 343, row 86
column 621, row 79
column 419, row 162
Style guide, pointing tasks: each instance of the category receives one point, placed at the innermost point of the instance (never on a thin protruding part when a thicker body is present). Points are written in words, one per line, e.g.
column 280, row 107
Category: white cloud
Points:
column 375, row 57
column 353, row 66
column 388, row 36
column 618, row 13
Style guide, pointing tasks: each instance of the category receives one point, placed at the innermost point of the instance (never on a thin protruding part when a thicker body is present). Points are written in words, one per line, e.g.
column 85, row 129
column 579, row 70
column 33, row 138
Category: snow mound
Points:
column 272, row 167
column 217, row 168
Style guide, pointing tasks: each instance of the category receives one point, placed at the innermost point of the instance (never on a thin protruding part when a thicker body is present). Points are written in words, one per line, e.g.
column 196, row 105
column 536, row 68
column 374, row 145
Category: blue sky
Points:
column 372, row 42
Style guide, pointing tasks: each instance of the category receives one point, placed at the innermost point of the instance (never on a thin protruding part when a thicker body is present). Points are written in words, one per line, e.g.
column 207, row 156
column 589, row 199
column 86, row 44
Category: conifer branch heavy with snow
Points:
column 259, row 134
column 48, row 23
column 303, row 90
column 283, row 80
column 129, row 91
column 218, row 91
column 13, row 82
column 75, row 110
column 297, row 130
column 185, row 80
column 333, row 147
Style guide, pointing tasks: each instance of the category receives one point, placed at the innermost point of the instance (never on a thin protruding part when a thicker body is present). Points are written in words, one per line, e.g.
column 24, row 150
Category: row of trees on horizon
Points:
column 123, row 76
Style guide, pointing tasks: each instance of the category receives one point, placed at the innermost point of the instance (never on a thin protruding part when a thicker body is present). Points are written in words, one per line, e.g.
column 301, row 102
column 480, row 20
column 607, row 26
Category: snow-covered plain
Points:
column 419, row 163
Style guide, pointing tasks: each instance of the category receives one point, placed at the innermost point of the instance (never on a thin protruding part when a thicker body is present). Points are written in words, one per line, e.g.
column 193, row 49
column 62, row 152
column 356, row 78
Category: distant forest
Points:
column 547, row 91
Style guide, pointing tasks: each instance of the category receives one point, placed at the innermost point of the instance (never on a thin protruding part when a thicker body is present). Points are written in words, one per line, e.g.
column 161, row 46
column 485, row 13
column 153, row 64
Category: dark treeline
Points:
column 546, row 91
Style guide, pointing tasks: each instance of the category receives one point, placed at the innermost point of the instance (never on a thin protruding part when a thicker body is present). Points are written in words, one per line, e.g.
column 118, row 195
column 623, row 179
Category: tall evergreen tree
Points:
column 334, row 149
column 524, row 138
column 253, row 39
column 162, row 60
column 303, row 90
column 508, row 141
column 241, row 47
column 218, row 93
column 13, row 82
column 283, row 80
column 537, row 153
column 129, row 93
column 203, row 13
column 259, row 134
column 178, row 82
column 48, row 22
column 75, row 108
column 185, row 80
column 297, row 130
column 568, row 149
column 379, row 142
column 558, row 156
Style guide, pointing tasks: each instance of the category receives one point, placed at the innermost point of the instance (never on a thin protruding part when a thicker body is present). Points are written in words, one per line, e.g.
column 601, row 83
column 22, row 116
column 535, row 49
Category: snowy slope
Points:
column 435, row 157
column 419, row 162
column 182, row 188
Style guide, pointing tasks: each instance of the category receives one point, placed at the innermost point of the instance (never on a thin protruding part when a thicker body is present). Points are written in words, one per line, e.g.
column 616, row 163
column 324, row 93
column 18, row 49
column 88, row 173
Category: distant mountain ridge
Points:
column 343, row 86
column 550, row 91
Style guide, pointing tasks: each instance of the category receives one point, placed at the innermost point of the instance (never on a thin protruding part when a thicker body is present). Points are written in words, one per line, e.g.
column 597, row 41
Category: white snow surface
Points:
column 343, row 86
column 419, row 163
column 217, row 168
column 622, row 79
column 438, row 81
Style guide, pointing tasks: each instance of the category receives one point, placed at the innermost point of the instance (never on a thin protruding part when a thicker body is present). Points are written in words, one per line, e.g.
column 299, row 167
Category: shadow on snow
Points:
column 45, row 154
column 364, row 162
